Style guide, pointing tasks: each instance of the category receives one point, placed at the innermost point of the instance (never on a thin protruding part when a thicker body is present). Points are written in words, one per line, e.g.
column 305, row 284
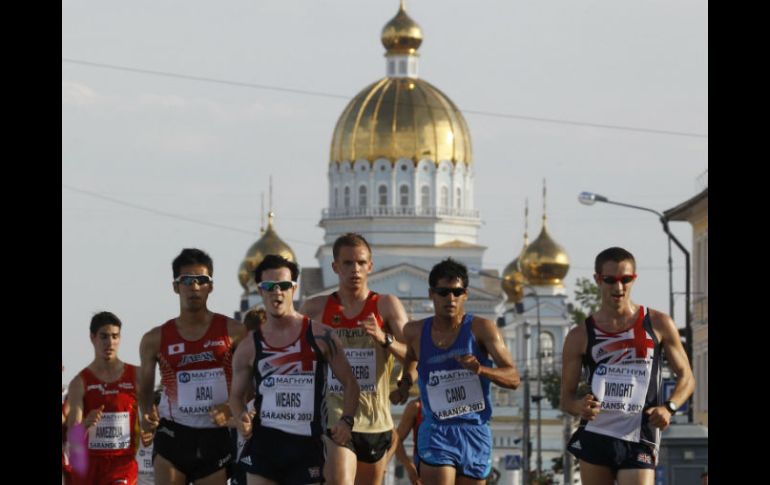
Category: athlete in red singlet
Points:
column 103, row 398
column 193, row 352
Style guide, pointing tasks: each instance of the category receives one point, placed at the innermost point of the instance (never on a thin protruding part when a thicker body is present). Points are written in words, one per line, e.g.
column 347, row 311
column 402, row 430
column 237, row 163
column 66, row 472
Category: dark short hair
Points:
column 275, row 261
column 449, row 269
column 254, row 318
column 614, row 254
column 190, row 256
column 104, row 318
column 350, row 239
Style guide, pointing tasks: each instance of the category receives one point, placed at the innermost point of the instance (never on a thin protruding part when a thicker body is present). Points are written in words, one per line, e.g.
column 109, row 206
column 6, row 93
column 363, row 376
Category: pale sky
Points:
column 203, row 151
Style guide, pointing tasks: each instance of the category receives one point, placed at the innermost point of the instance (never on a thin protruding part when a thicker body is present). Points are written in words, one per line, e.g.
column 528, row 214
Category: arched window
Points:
column 362, row 196
column 336, row 197
column 347, row 197
column 459, row 198
column 425, row 196
column 444, row 197
column 404, row 193
column 546, row 350
column 382, row 191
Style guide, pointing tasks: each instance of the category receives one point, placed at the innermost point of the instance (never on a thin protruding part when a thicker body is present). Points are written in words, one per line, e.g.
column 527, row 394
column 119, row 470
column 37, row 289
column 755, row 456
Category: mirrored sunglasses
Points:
column 445, row 291
column 270, row 285
column 189, row 279
column 611, row 280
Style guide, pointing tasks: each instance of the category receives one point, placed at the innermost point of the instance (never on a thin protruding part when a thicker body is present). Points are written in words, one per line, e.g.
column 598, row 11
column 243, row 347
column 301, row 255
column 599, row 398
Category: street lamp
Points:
column 589, row 198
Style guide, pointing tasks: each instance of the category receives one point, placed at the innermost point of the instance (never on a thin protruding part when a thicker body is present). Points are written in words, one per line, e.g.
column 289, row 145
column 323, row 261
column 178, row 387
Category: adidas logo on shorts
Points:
column 576, row 445
column 246, row 459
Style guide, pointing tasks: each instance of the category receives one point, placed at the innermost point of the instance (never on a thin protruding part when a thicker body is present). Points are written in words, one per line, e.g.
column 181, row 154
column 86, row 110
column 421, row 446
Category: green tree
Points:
column 587, row 300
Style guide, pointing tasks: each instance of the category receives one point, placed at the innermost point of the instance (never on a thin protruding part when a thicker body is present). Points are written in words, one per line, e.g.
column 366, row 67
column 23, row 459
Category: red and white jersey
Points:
column 117, row 433
column 196, row 375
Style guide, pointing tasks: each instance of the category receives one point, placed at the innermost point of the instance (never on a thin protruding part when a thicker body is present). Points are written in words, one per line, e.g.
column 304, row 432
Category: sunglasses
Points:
column 611, row 280
column 271, row 285
column 445, row 291
column 189, row 279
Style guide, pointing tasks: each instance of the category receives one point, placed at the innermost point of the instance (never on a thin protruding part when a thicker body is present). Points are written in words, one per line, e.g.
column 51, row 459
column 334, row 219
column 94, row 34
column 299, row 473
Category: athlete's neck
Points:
column 107, row 370
column 195, row 318
column 349, row 296
column 447, row 323
column 617, row 317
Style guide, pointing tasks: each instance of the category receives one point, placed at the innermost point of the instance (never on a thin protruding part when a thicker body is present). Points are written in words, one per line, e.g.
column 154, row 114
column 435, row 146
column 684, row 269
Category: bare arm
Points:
column 404, row 427
column 504, row 374
column 314, row 307
column 236, row 331
column 586, row 407
column 332, row 350
column 243, row 370
column 149, row 348
column 677, row 359
column 395, row 318
column 409, row 375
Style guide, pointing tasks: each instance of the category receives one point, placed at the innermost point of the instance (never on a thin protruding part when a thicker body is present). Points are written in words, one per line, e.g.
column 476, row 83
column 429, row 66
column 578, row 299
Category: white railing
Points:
column 401, row 211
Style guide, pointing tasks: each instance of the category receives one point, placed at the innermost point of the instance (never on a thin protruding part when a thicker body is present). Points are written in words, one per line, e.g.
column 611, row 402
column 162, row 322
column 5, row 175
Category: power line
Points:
column 170, row 214
column 346, row 97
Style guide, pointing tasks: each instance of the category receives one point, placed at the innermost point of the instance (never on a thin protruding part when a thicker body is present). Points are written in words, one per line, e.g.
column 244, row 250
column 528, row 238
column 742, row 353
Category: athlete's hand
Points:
column 399, row 394
column 341, row 433
column 659, row 416
column 149, row 423
column 470, row 362
column 220, row 414
column 244, row 423
column 372, row 328
column 414, row 477
column 591, row 407
column 93, row 417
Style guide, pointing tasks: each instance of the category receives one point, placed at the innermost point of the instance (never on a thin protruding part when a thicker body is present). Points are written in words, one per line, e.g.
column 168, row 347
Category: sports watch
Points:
column 388, row 340
column 671, row 406
column 347, row 419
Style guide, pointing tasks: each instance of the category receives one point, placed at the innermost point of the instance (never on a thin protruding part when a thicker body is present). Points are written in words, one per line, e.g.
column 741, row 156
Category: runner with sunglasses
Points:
column 194, row 352
column 284, row 363
column 453, row 353
column 623, row 414
column 370, row 326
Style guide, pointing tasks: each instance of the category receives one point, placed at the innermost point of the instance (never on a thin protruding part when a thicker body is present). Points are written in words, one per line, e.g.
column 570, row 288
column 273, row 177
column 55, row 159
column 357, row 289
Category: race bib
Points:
column 364, row 366
column 452, row 393
column 287, row 402
column 198, row 390
column 144, row 460
column 112, row 432
column 621, row 388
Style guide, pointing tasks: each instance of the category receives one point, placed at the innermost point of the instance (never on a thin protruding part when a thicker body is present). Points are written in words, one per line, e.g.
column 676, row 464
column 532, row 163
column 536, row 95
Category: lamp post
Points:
column 589, row 198
column 539, row 396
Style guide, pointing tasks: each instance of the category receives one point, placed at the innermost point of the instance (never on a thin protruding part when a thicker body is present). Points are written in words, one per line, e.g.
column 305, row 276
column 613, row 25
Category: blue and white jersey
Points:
column 448, row 392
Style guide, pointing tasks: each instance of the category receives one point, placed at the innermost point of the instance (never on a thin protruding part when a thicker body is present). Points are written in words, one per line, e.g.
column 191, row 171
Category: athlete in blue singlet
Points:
column 452, row 353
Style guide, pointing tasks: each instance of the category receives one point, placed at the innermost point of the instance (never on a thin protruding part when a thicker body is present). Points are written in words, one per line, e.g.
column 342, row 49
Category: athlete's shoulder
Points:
column 313, row 307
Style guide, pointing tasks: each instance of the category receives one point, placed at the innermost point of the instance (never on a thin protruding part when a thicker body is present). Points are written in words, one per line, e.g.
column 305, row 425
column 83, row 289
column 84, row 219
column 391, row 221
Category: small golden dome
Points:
column 544, row 262
column 269, row 243
column 401, row 35
column 397, row 118
column 513, row 282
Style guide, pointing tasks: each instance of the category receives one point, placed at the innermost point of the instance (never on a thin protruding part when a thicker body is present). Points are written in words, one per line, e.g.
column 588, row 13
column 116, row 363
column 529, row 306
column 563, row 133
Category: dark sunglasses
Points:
column 270, row 285
column 445, row 291
column 611, row 280
column 189, row 279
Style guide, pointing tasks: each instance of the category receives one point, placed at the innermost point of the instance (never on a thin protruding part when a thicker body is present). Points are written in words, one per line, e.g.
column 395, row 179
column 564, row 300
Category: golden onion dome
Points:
column 269, row 243
column 401, row 35
column 544, row 262
column 513, row 282
column 397, row 118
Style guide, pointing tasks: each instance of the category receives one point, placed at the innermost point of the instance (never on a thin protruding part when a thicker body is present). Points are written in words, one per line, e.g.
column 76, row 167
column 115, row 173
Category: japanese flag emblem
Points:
column 176, row 348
